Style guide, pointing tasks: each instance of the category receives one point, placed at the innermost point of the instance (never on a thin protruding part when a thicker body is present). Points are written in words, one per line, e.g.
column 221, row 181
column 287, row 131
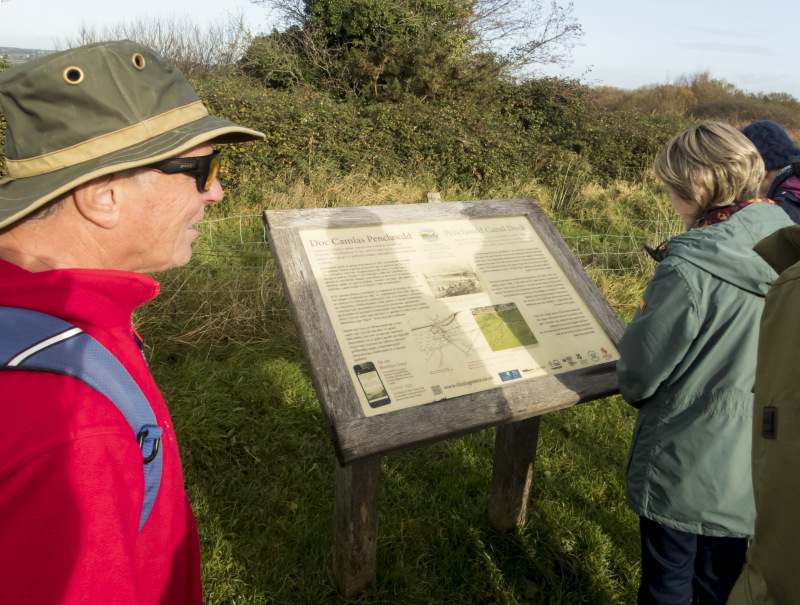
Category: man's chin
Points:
column 176, row 261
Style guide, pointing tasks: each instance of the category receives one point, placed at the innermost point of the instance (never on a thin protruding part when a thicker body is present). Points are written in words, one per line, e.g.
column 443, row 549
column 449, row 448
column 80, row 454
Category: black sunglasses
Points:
column 204, row 168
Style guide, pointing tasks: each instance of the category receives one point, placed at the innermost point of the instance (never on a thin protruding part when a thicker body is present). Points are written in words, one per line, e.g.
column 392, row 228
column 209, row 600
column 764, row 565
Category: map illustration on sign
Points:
column 433, row 336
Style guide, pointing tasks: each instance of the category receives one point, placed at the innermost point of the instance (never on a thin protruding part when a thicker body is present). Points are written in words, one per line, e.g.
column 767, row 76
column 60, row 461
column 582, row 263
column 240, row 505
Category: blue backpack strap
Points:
column 30, row 340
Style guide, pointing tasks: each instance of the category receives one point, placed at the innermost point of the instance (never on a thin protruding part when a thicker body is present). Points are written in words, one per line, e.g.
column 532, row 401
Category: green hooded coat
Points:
column 688, row 363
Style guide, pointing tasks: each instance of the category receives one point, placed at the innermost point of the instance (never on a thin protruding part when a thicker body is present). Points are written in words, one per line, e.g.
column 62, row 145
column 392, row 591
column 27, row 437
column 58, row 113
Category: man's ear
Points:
column 100, row 201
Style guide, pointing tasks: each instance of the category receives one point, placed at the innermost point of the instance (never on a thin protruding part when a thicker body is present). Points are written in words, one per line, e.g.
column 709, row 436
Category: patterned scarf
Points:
column 715, row 216
column 722, row 214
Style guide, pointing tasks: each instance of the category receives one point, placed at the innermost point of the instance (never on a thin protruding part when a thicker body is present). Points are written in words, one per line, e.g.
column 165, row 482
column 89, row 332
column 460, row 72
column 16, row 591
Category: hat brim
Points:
column 20, row 197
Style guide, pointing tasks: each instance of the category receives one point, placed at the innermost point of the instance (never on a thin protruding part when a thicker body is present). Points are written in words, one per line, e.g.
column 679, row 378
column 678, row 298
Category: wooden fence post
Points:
column 512, row 473
column 355, row 524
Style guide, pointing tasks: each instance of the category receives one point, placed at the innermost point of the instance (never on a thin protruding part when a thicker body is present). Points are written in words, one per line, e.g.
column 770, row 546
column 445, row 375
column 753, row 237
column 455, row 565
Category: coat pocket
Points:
column 637, row 429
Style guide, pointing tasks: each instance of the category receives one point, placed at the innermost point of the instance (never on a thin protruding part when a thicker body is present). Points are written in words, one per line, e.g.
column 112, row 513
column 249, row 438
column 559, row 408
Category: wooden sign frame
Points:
column 356, row 436
column 360, row 441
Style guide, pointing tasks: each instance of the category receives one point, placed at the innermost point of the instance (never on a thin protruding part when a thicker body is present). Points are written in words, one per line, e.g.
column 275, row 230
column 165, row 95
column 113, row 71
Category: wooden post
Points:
column 512, row 474
column 355, row 525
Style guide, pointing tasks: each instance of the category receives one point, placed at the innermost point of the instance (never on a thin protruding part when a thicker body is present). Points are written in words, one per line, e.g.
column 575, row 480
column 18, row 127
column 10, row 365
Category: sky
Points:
column 626, row 43
column 633, row 43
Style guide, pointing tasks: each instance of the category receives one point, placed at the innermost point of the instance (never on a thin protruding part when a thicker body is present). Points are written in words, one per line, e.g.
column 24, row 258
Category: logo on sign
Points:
column 510, row 375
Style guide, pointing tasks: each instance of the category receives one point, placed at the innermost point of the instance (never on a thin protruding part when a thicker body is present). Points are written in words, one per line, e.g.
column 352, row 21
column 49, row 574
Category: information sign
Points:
column 425, row 321
column 430, row 310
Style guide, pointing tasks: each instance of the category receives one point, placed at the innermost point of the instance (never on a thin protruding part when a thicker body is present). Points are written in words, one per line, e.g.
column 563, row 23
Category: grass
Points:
column 259, row 472
column 259, row 467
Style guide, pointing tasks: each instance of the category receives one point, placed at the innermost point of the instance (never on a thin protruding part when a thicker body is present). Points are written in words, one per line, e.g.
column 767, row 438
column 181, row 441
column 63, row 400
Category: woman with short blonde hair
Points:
column 712, row 165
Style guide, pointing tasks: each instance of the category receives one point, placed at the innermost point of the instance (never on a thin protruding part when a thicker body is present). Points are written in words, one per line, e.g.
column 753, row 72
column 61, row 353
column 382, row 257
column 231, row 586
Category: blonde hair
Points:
column 712, row 165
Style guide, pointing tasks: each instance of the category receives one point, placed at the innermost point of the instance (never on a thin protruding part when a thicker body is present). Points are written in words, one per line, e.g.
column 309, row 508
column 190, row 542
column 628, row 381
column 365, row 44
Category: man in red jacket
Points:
column 110, row 166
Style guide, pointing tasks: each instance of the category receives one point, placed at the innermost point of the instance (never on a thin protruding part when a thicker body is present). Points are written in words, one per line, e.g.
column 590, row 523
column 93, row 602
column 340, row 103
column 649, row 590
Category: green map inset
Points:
column 504, row 327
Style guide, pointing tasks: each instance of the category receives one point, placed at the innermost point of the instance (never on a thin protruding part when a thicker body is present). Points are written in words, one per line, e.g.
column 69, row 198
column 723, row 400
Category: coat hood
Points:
column 781, row 249
column 725, row 249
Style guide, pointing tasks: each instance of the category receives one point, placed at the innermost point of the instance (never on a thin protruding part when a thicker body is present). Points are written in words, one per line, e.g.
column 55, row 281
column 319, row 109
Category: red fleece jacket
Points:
column 71, row 483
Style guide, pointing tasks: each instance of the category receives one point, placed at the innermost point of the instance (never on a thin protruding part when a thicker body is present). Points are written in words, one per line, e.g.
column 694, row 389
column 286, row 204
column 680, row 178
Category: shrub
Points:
column 280, row 59
column 476, row 142
column 668, row 99
column 622, row 144
column 740, row 110
column 701, row 97
column 472, row 141
column 709, row 90
column 383, row 49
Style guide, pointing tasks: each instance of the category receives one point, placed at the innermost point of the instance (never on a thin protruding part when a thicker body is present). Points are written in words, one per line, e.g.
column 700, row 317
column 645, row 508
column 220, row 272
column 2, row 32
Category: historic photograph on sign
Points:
column 434, row 310
column 456, row 278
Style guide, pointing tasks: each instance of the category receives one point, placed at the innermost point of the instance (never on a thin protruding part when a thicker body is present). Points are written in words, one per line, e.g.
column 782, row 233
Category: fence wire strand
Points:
column 597, row 243
column 232, row 285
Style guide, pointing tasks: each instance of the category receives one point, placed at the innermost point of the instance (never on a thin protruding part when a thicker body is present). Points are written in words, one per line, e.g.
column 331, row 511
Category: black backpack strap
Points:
column 30, row 340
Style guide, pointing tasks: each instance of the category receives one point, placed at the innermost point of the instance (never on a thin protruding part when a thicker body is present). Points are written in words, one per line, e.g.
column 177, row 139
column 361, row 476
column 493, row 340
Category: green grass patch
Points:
column 259, row 470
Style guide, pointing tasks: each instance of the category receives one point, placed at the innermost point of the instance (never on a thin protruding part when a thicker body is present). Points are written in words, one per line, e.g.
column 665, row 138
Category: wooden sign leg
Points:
column 512, row 474
column 355, row 525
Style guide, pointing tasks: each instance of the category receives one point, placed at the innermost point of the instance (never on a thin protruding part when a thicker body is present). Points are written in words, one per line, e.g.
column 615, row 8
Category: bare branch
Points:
column 287, row 12
column 182, row 42
column 525, row 32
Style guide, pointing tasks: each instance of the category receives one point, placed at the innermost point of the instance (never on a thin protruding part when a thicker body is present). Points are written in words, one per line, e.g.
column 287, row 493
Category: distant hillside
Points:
column 702, row 97
column 20, row 55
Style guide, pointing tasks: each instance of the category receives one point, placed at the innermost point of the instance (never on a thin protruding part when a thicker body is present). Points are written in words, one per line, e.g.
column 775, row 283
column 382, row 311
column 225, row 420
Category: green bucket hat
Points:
column 90, row 111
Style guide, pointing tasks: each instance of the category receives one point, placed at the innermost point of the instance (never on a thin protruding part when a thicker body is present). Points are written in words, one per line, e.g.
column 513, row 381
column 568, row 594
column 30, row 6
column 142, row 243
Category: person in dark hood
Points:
column 781, row 165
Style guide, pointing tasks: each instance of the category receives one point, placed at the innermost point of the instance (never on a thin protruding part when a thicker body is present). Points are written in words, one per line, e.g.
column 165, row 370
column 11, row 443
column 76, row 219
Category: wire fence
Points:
column 231, row 289
column 237, row 245
column 614, row 244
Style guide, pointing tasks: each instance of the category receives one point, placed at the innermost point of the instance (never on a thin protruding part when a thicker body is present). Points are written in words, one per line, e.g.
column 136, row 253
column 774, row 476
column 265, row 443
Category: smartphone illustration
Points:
column 372, row 384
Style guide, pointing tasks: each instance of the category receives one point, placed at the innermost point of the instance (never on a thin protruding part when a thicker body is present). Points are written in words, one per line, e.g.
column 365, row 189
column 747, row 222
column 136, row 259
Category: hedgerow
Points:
column 491, row 134
column 516, row 130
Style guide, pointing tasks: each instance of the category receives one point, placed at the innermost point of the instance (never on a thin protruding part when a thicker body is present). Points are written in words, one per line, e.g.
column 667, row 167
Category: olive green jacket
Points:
column 772, row 572
column 688, row 362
